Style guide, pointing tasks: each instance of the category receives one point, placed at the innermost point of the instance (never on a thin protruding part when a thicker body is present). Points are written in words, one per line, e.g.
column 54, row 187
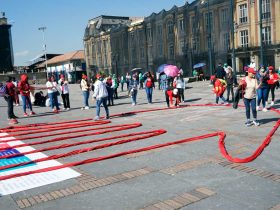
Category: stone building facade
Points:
column 247, row 32
column 186, row 35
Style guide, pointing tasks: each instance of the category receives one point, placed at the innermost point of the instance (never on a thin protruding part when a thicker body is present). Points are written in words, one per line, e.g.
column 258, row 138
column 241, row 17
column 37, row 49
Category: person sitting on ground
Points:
column 40, row 99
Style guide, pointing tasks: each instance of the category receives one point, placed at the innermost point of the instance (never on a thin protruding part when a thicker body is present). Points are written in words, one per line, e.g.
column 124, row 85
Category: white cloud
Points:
column 22, row 53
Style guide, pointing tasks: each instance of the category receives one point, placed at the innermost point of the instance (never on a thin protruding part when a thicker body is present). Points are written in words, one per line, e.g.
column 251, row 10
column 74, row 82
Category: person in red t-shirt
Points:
column 25, row 89
column 272, row 82
column 10, row 88
column 149, row 85
column 173, row 94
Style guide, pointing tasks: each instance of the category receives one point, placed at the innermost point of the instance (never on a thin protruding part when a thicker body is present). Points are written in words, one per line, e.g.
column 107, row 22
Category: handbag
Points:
column 57, row 93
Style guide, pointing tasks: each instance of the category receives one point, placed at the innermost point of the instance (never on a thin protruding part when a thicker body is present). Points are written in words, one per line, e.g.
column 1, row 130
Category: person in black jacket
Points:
column 220, row 72
column 230, row 79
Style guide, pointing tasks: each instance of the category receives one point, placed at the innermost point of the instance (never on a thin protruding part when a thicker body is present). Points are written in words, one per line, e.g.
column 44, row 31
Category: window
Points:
column 243, row 16
column 149, row 33
column 193, row 24
column 171, row 51
column 195, row 44
column 266, row 13
column 224, row 17
column 181, row 25
column 159, row 30
column 226, row 41
column 182, row 47
column 208, row 21
column 160, row 50
column 266, row 35
column 244, row 38
column 132, row 36
column 170, row 27
column 142, row 54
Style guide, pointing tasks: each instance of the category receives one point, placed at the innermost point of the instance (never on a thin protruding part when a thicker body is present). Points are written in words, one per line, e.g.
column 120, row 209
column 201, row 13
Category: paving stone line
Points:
column 252, row 171
column 81, row 187
column 181, row 200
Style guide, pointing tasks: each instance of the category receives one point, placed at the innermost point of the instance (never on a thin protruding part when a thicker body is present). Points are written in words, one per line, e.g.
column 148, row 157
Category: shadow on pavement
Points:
column 194, row 99
column 265, row 121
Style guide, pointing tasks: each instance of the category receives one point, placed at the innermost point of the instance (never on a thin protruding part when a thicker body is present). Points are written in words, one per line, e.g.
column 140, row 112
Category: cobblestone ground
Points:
column 185, row 176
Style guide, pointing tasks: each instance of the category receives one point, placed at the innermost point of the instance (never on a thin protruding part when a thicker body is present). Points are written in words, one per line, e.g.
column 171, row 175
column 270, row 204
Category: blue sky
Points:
column 65, row 21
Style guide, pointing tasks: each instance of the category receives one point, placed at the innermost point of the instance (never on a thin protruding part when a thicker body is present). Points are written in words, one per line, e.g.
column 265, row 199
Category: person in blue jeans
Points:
column 149, row 85
column 133, row 87
column 100, row 94
column 262, row 78
column 250, row 97
column 53, row 93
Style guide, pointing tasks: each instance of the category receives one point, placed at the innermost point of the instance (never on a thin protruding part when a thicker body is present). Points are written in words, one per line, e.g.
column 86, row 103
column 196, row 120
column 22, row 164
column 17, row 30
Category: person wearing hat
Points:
column 85, row 86
column 219, row 89
column 24, row 90
column 250, row 97
column 100, row 94
column 272, row 83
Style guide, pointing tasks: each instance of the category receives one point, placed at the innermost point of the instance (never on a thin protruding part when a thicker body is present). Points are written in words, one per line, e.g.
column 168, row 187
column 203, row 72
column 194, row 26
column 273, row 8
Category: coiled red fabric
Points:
column 221, row 143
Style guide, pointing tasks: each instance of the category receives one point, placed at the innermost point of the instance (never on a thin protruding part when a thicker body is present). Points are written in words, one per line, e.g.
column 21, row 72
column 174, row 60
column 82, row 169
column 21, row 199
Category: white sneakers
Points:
column 86, row 107
column 272, row 103
column 260, row 109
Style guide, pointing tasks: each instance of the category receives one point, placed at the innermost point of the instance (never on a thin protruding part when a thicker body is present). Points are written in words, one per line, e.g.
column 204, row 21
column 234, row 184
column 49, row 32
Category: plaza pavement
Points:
column 187, row 176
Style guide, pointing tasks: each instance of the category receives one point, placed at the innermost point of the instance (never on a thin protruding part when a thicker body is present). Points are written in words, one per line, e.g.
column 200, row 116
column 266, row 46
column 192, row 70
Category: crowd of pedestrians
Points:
column 254, row 89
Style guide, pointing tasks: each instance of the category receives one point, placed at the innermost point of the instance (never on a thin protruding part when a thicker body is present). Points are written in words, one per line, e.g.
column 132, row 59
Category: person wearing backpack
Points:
column 149, row 85
column 6, row 92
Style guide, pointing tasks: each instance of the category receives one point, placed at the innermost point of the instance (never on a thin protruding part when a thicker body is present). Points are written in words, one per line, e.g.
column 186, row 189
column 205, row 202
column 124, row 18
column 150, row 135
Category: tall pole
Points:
column 210, row 39
column 232, row 37
column 261, row 41
column 44, row 46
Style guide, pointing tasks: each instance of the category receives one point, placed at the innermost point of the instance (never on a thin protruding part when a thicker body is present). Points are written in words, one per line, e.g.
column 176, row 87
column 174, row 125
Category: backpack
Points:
column 3, row 90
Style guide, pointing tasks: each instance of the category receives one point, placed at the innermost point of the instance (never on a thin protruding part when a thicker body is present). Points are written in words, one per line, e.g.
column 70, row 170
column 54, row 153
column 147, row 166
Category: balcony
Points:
column 266, row 45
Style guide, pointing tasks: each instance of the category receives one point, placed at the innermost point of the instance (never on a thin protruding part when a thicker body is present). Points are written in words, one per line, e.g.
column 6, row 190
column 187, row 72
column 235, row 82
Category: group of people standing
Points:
column 254, row 89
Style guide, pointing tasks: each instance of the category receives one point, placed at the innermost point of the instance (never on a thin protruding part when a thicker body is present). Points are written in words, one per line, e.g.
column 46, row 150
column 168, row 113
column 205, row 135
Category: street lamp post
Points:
column 232, row 36
column 261, row 35
column 209, row 35
column 44, row 46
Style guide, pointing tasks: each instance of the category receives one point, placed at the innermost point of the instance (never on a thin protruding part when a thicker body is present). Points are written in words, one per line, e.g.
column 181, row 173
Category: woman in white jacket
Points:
column 101, row 96
column 180, row 85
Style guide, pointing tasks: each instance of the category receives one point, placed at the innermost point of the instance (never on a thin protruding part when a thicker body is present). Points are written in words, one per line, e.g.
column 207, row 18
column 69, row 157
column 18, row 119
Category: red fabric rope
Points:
column 257, row 152
column 54, row 127
column 65, row 127
column 110, row 130
column 23, row 127
column 79, row 151
column 74, row 131
column 222, row 148
column 70, row 145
